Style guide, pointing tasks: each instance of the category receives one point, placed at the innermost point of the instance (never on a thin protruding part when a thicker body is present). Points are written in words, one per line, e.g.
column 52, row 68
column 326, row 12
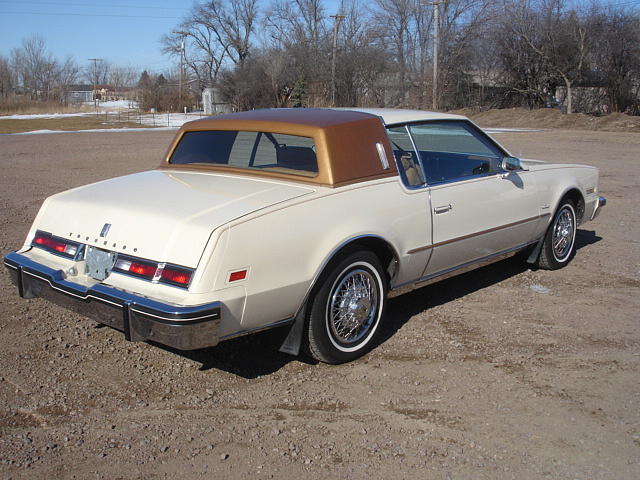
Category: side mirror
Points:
column 511, row 163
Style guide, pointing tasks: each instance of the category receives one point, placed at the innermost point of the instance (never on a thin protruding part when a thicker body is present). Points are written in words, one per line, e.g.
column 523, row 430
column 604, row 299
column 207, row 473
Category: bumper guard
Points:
column 140, row 318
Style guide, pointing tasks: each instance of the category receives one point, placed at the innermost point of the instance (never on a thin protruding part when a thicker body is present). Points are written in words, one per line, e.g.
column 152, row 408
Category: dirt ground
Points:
column 477, row 377
column 552, row 118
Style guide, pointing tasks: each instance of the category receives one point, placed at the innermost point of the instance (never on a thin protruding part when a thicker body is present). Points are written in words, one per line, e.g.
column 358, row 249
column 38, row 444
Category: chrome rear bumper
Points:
column 600, row 203
column 140, row 318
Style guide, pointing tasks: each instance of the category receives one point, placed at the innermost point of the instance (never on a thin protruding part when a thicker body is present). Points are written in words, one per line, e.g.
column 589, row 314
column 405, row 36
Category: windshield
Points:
column 252, row 150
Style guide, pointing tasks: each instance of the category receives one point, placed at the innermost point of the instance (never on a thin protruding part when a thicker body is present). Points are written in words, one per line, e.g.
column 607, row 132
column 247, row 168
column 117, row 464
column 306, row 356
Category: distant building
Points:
column 105, row 93
column 212, row 102
column 80, row 94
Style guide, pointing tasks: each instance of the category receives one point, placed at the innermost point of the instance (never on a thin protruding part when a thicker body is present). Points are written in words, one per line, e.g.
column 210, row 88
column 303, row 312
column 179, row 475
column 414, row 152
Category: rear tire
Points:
column 558, row 247
column 346, row 308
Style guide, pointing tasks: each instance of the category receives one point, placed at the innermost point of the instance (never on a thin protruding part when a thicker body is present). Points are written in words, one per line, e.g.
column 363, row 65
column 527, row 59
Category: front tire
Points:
column 345, row 310
column 558, row 247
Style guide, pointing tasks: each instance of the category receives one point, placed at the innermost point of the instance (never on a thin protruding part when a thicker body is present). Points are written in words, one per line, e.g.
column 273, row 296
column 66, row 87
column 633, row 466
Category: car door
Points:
column 478, row 210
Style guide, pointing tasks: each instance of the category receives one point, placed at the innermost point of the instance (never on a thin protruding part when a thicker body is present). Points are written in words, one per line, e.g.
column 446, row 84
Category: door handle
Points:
column 442, row 209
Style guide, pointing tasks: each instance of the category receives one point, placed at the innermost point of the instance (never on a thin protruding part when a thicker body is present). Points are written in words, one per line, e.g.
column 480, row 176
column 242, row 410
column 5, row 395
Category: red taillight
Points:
column 139, row 269
column 55, row 244
column 169, row 274
column 236, row 276
column 176, row 276
column 145, row 270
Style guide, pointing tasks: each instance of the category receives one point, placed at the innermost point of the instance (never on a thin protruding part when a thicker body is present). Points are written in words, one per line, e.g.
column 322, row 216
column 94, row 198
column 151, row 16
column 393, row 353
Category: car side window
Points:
column 405, row 156
column 453, row 150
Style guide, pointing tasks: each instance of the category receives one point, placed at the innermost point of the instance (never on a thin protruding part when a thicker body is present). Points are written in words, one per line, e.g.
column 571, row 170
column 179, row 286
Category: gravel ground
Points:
column 500, row 373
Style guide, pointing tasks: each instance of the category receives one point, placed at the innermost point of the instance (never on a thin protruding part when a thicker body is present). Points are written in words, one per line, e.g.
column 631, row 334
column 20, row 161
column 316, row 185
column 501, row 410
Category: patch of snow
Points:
column 122, row 104
column 540, row 289
column 94, row 130
column 170, row 119
column 44, row 115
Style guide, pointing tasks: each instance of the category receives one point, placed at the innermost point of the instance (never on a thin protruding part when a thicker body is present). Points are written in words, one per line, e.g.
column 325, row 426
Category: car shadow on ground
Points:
column 403, row 307
column 257, row 355
column 250, row 356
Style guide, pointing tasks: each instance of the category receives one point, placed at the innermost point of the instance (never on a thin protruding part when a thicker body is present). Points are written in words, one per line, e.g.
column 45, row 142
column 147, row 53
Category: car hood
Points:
column 159, row 215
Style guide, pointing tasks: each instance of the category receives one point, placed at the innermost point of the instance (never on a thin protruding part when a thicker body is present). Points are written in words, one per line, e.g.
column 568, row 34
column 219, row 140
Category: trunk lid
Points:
column 159, row 215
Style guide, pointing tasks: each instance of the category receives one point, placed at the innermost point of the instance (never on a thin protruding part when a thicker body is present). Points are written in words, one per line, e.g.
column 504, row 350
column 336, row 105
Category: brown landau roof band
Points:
column 345, row 142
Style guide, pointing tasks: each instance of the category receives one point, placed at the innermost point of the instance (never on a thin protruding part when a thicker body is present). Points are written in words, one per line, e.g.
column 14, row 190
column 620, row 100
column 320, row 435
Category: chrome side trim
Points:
column 483, row 232
column 459, row 269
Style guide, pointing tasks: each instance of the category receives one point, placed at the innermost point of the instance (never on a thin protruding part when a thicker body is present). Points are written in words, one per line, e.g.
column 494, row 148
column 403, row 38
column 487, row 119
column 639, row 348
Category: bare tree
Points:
column 33, row 64
column 296, row 22
column 233, row 22
column 616, row 61
column 299, row 29
column 362, row 60
column 6, row 78
column 39, row 73
column 121, row 77
column 558, row 37
column 492, row 52
column 97, row 72
column 393, row 21
column 68, row 71
column 214, row 32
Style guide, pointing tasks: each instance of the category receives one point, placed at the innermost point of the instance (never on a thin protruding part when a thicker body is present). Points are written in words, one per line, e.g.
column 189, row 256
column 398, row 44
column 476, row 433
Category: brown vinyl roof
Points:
column 345, row 142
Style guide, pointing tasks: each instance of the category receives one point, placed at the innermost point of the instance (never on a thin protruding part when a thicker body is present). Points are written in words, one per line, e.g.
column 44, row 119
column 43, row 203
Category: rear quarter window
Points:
column 251, row 150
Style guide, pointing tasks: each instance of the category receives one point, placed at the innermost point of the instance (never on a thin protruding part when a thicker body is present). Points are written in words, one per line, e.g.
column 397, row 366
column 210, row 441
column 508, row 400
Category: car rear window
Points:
column 251, row 150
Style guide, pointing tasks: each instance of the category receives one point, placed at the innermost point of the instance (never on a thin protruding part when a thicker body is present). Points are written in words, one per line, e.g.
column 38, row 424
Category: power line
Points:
column 88, row 15
column 97, row 5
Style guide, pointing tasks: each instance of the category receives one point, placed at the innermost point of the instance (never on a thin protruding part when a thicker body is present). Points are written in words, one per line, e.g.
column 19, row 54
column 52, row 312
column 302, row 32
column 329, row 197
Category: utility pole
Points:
column 436, row 42
column 183, row 34
column 337, row 19
column 95, row 79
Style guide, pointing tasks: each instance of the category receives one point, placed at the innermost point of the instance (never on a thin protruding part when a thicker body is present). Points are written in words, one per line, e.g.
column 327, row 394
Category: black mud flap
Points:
column 535, row 253
column 293, row 340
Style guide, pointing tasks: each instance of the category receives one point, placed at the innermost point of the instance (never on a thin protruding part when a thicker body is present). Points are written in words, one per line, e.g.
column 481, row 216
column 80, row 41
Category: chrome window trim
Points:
column 451, row 120
column 478, row 176
column 425, row 184
column 498, row 171
column 399, row 167
column 474, row 127
column 417, row 152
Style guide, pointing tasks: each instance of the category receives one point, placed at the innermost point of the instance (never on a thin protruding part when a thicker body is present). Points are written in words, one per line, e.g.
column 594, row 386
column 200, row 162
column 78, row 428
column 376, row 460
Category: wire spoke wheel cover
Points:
column 345, row 310
column 559, row 241
column 564, row 233
column 353, row 306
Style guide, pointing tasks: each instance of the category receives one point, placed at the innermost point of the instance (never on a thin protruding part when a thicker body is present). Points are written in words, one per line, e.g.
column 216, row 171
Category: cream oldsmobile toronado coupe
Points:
column 299, row 217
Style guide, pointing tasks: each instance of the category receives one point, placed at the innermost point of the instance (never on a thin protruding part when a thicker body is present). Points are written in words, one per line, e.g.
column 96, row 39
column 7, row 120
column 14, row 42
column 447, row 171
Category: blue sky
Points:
column 125, row 33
